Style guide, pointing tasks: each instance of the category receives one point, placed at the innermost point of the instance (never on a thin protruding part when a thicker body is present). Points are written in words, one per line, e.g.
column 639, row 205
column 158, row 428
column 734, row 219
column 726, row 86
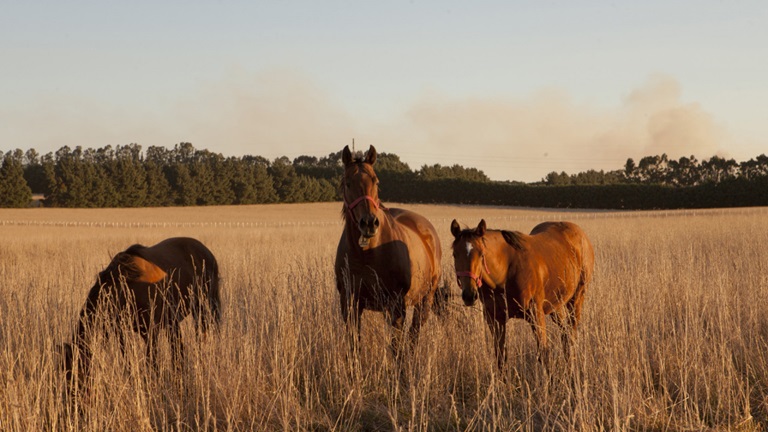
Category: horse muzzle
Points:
column 469, row 295
column 369, row 227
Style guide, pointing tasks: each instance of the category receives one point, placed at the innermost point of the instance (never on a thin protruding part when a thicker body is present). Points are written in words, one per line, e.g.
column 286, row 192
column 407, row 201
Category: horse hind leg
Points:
column 420, row 315
column 206, row 308
column 574, row 309
column 538, row 321
column 567, row 318
column 562, row 318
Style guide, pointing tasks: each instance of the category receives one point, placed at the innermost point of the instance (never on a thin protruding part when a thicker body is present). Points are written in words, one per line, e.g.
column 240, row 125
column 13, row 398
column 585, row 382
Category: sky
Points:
column 516, row 89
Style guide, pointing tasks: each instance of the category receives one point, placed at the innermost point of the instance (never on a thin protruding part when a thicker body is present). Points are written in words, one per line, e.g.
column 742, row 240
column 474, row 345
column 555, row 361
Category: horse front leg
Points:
column 499, row 335
column 351, row 314
column 150, row 339
column 176, row 344
column 397, row 321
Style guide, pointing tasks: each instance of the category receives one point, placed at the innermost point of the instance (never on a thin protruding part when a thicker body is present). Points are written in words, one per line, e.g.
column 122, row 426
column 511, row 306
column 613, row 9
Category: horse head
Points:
column 360, row 191
column 469, row 260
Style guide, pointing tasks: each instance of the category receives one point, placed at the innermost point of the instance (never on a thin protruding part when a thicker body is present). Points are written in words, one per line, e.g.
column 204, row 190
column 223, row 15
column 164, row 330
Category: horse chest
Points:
column 380, row 269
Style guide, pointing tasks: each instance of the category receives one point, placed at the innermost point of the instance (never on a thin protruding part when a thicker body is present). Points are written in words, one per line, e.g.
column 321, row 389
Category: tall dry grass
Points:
column 673, row 335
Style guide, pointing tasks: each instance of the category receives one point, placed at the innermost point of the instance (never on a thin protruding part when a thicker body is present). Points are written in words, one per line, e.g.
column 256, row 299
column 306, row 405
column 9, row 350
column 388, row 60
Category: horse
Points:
column 525, row 276
column 387, row 260
column 150, row 289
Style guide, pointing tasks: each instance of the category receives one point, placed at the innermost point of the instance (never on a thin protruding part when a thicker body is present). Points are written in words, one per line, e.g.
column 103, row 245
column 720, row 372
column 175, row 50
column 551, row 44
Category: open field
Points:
column 673, row 335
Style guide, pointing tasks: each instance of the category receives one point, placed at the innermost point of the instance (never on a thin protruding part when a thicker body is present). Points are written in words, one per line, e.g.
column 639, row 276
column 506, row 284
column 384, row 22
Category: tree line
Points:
column 127, row 176
column 662, row 170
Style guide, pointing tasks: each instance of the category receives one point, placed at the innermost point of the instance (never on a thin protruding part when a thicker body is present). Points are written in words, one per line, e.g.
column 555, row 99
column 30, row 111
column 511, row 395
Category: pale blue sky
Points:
column 517, row 89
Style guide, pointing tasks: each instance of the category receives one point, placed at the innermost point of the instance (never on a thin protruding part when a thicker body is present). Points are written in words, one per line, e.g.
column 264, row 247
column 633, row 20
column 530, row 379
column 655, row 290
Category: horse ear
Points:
column 455, row 229
column 513, row 239
column 370, row 158
column 480, row 231
column 346, row 156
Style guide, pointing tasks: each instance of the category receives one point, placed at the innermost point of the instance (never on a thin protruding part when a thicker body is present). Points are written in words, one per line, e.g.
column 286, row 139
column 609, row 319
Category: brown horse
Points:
column 387, row 259
column 525, row 276
column 149, row 289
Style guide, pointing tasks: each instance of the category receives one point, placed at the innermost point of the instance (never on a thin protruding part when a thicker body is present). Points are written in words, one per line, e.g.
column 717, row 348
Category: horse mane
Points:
column 513, row 238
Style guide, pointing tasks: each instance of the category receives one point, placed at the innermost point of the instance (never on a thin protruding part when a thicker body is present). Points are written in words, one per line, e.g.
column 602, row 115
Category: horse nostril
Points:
column 375, row 222
column 469, row 296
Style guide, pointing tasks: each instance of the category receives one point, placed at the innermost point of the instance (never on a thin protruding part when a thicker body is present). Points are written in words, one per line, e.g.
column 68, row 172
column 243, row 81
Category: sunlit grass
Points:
column 673, row 335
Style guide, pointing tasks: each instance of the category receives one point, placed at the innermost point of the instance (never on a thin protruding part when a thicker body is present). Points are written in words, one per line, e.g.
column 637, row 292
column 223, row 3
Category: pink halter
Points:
column 354, row 203
column 478, row 278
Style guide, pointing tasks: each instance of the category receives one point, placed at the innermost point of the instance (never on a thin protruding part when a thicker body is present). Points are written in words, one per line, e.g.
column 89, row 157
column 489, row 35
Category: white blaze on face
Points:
column 469, row 248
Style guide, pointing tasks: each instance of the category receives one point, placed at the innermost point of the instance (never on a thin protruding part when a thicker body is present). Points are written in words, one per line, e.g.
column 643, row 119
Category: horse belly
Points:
column 421, row 284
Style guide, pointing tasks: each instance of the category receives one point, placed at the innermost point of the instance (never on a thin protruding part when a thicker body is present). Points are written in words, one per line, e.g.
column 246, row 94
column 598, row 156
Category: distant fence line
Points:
column 544, row 215
column 78, row 224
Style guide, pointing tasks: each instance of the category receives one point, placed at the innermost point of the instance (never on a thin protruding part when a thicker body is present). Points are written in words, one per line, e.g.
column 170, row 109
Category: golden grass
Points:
column 673, row 335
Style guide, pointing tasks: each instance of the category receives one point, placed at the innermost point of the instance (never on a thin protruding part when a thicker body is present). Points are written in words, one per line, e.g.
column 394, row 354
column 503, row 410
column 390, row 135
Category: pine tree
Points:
column 14, row 191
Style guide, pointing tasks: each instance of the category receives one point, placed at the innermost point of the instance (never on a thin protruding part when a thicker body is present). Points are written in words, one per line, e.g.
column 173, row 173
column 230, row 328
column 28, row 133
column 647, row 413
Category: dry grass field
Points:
column 673, row 335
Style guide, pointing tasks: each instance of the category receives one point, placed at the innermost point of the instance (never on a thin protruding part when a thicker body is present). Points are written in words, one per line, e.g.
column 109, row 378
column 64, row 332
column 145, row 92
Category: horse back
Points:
column 182, row 256
column 180, row 262
column 425, row 231
column 565, row 255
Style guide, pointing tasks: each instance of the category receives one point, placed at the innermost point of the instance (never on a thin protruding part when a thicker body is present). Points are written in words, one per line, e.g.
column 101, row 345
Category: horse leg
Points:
column 397, row 320
column 205, row 309
column 420, row 315
column 351, row 314
column 499, row 335
column 538, row 321
column 563, row 320
column 573, row 315
column 177, row 345
column 149, row 334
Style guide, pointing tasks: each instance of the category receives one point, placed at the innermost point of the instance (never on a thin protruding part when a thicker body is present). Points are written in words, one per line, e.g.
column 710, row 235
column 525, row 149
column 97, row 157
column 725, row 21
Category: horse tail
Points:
column 214, row 298
column 442, row 298
column 588, row 258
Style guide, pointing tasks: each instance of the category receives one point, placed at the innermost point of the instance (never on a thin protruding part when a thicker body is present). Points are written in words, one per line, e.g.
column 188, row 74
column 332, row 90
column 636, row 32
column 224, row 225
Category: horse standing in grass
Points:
column 387, row 259
column 149, row 289
column 525, row 276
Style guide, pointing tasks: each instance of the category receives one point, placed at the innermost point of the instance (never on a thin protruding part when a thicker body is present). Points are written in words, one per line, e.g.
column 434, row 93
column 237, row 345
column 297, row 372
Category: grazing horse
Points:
column 149, row 289
column 525, row 276
column 387, row 259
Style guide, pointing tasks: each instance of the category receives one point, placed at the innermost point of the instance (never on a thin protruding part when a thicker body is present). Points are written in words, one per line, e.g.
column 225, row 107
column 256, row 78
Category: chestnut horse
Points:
column 525, row 276
column 148, row 289
column 387, row 259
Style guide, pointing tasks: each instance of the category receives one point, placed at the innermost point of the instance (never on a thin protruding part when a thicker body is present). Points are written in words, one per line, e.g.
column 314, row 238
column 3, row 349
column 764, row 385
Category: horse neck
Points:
column 498, row 255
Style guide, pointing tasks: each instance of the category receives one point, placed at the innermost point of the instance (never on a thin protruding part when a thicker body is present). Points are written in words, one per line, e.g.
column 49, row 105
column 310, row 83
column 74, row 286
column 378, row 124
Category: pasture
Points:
column 673, row 334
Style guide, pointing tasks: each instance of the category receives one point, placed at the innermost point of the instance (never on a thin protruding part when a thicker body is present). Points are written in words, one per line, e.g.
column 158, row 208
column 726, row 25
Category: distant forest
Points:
column 127, row 176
